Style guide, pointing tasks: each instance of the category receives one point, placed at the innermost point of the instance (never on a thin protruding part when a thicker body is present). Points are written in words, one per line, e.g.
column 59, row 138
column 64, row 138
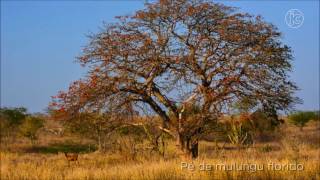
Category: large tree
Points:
column 179, row 52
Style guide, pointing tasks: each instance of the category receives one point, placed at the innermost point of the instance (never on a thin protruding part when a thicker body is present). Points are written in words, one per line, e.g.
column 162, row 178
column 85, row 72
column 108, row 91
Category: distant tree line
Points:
column 16, row 122
column 130, row 134
column 301, row 118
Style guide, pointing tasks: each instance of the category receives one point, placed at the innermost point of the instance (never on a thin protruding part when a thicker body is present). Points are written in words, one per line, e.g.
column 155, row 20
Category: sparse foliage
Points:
column 170, row 50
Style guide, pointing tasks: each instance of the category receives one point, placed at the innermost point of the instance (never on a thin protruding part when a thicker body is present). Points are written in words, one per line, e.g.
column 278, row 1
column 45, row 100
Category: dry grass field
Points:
column 294, row 156
column 159, row 90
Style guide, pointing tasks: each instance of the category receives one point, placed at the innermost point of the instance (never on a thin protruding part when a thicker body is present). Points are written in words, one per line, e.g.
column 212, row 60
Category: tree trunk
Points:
column 163, row 146
column 99, row 142
column 188, row 149
column 32, row 139
column 195, row 150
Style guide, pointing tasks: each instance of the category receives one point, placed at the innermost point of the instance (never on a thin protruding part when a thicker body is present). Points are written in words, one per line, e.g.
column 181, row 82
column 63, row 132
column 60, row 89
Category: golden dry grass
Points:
column 296, row 148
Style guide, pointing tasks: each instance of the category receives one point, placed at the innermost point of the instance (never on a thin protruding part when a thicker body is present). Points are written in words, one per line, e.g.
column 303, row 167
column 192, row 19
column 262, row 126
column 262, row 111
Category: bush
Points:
column 301, row 118
column 266, row 148
column 317, row 116
column 237, row 135
column 262, row 125
column 10, row 120
column 95, row 126
column 30, row 127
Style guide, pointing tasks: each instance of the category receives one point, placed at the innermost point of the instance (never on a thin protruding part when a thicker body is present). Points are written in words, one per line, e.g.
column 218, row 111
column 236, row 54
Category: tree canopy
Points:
column 176, row 49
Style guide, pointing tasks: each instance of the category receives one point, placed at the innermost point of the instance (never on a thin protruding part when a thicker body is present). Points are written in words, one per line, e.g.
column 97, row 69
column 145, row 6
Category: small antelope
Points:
column 71, row 157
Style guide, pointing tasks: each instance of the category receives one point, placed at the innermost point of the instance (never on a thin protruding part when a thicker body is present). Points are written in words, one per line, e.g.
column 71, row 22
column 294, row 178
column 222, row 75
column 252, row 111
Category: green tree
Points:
column 301, row 118
column 317, row 116
column 30, row 127
column 94, row 126
column 10, row 119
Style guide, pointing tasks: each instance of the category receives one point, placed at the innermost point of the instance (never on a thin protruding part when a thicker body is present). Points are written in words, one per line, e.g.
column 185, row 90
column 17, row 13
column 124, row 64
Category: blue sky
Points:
column 40, row 40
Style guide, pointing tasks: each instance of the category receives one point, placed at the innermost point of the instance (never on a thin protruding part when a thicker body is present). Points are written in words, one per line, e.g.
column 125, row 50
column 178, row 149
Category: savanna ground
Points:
column 295, row 152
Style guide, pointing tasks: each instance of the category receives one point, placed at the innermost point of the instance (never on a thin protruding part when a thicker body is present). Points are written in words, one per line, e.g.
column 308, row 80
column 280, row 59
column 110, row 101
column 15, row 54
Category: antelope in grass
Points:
column 71, row 157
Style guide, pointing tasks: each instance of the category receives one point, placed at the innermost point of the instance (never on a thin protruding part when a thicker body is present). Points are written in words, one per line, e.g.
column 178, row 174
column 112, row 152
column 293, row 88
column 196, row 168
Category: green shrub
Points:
column 301, row 118
column 30, row 127
column 317, row 116
column 237, row 134
column 266, row 148
column 10, row 119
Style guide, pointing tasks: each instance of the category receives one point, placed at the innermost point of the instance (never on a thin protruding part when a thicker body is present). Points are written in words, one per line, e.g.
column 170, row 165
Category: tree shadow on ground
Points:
column 62, row 147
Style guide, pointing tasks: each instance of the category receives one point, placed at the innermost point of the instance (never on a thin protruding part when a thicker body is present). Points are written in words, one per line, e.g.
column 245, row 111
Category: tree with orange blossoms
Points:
column 175, row 49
